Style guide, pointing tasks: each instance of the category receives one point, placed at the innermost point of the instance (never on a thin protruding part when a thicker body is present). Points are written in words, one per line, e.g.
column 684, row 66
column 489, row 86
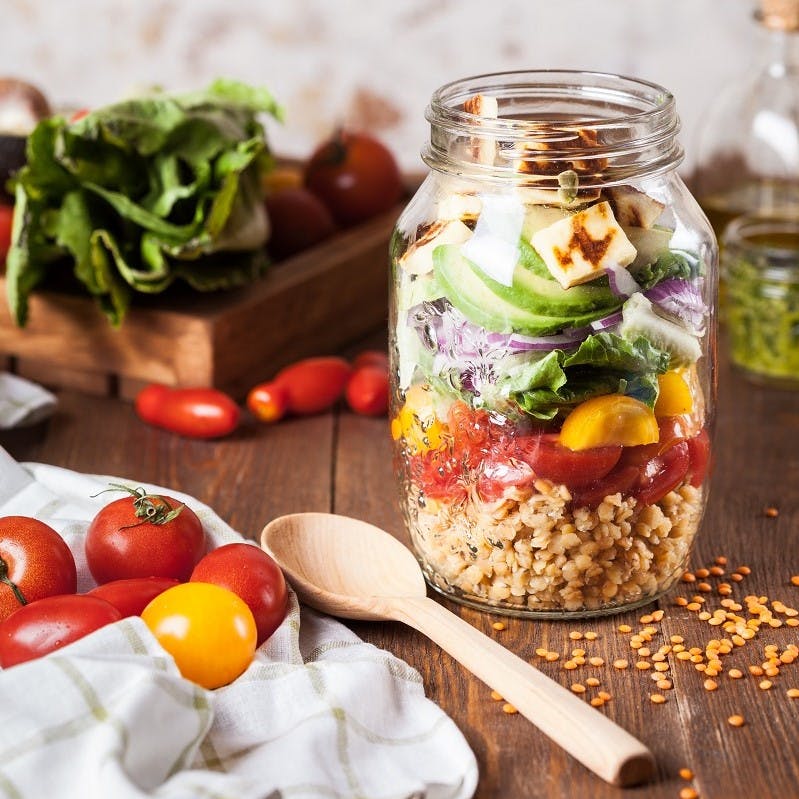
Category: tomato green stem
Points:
column 4, row 578
column 150, row 508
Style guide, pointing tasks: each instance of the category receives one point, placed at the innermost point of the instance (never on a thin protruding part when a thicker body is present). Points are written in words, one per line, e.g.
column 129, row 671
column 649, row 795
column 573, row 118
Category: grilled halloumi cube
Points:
column 633, row 208
column 418, row 259
column 462, row 206
column 581, row 247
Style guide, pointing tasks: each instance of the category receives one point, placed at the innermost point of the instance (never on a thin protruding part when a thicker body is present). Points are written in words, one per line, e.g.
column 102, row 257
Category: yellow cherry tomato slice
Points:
column 674, row 396
column 416, row 423
column 208, row 630
column 610, row 420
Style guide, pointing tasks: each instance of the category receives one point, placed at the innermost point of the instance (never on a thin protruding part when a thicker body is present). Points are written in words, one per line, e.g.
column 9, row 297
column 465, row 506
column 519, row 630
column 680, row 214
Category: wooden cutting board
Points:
column 312, row 304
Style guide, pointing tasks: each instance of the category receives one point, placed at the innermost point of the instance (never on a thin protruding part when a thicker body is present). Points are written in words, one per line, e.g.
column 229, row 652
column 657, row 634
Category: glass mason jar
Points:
column 760, row 263
column 552, row 342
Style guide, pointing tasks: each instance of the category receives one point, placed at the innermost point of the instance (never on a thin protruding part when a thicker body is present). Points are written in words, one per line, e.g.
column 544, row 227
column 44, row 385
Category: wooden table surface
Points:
column 340, row 462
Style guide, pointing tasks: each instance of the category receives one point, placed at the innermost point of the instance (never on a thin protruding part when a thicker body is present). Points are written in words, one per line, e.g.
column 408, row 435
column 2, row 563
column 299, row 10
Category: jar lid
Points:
column 780, row 14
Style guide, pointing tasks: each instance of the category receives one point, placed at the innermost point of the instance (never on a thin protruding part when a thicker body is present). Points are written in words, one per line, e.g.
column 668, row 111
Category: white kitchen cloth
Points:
column 319, row 713
column 23, row 402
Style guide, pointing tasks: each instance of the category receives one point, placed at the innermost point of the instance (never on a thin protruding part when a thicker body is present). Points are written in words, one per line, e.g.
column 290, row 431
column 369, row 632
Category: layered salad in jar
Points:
column 550, row 416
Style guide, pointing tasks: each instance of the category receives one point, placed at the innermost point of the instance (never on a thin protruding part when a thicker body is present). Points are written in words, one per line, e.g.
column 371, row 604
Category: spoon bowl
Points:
column 348, row 568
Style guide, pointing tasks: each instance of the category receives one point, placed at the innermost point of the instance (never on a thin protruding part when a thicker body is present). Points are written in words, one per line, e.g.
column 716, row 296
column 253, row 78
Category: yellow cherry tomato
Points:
column 417, row 423
column 208, row 630
column 674, row 396
column 610, row 420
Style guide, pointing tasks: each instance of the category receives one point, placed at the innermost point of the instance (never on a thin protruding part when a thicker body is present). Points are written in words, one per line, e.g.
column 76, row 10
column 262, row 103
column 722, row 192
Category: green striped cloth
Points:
column 319, row 713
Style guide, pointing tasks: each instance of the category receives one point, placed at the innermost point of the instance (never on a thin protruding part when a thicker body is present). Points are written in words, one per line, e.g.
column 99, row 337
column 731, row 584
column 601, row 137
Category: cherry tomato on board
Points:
column 367, row 391
column 371, row 358
column 50, row 623
column 131, row 596
column 208, row 630
column 190, row 412
column 6, row 223
column 144, row 535
column 35, row 562
column 313, row 385
column 268, row 402
column 355, row 176
column 251, row 574
column 298, row 220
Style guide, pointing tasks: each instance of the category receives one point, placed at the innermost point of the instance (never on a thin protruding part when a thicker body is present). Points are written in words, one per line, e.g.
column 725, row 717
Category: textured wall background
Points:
column 365, row 62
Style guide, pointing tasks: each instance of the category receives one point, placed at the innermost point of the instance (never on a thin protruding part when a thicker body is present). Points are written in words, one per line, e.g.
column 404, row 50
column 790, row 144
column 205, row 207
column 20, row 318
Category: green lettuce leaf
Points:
column 142, row 193
column 603, row 364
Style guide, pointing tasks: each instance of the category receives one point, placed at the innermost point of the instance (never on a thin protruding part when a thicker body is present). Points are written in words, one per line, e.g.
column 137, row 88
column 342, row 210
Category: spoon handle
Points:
column 592, row 738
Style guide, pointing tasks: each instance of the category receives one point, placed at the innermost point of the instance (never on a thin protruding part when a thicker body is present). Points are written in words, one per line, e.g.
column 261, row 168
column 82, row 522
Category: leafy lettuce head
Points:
column 138, row 194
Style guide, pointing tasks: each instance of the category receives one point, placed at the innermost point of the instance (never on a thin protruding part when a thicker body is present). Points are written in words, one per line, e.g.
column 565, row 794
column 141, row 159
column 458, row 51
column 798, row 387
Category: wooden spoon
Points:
column 348, row 568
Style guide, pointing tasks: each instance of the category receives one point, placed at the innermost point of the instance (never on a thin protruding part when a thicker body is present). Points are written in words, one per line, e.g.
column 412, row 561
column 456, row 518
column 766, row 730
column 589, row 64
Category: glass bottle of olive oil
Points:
column 748, row 146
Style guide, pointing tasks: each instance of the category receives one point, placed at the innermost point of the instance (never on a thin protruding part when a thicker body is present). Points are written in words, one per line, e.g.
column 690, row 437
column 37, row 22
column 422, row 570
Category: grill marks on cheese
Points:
column 584, row 245
column 591, row 250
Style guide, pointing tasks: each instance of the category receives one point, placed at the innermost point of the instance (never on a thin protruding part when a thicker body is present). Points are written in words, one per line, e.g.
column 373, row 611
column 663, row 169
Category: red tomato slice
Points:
column 662, row 473
column 699, row 454
column 6, row 220
column 496, row 477
column 561, row 465
column 620, row 481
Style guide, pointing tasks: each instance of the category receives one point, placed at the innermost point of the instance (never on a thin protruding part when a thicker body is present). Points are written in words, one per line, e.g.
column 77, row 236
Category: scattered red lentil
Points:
column 701, row 573
column 686, row 773
column 577, row 688
column 625, row 628
column 498, row 625
column 496, row 696
column 795, row 579
column 575, row 635
column 591, row 636
column 735, row 674
column 689, row 577
column 689, row 793
column 592, row 681
column 621, row 663
column 764, row 685
column 716, row 571
column 710, row 685
column 551, row 656
column 658, row 699
column 664, row 685
column 771, row 512
column 597, row 702
column 793, row 693
column 509, row 709
column 736, row 720
column 604, row 695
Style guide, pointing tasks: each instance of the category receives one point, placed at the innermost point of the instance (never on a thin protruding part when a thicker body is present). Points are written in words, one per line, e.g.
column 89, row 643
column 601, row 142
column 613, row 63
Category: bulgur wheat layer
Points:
column 533, row 551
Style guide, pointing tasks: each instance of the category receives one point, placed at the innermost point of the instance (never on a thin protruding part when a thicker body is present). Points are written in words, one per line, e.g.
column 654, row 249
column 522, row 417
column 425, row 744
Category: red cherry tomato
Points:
column 561, row 465
column 50, row 623
column 190, row 412
column 367, row 391
column 144, row 535
column 371, row 358
column 6, row 222
column 355, row 176
column 35, row 562
column 130, row 597
column 662, row 473
column 313, row 385
column 298, row 220
column 699, row 454
column 268, row 402
column 498, row 476
column 253, row 576
column 79, row 114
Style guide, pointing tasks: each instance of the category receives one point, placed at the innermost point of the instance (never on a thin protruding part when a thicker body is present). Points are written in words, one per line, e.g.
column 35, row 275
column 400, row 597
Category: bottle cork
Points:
column 780, row 14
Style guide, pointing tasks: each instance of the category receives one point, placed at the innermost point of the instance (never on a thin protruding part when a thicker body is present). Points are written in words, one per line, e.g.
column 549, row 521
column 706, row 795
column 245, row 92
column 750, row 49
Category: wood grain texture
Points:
column 342, row 463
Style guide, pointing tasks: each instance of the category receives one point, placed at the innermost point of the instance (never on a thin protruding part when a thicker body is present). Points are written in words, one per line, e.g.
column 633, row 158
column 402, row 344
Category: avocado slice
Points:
column 468, row 289
column 537, row 291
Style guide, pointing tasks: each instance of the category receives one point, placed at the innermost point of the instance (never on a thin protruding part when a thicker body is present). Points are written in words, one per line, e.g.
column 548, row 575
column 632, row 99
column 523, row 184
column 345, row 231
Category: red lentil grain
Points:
column 793, row 693
column 577, row 688
column 592, row 681
column 658, row 699
column 736, row 721
column 496, row 696
column 710, row 685
column 498, row 625
column 509, row 709
column 689, row 793
column 686, row 773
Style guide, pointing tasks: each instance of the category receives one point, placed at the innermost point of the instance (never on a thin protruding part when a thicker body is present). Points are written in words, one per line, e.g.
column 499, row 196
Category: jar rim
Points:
column 746, row 237
column 616, row 126
column 658, row 98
